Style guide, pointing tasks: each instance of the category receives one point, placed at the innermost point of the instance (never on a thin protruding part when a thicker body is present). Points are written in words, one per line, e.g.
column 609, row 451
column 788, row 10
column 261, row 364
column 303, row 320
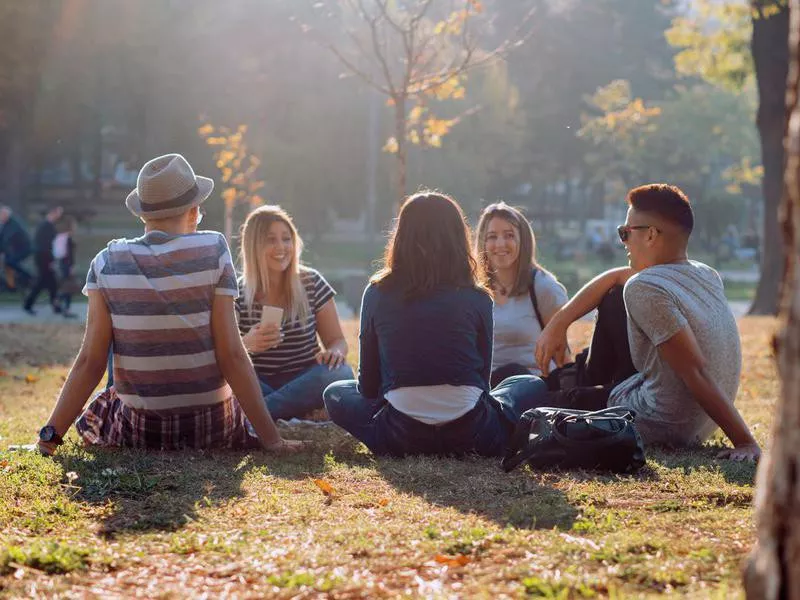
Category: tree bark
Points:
column 773, row 569
column 402, row 153
column 15, row 167
column 771, row 57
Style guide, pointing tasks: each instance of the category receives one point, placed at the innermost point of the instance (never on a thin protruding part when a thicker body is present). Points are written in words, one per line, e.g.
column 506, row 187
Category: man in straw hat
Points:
column 182, row 377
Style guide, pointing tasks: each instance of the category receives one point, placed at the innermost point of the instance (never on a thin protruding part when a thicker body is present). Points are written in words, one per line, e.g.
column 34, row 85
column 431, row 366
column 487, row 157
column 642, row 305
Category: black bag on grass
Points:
column 558, row 437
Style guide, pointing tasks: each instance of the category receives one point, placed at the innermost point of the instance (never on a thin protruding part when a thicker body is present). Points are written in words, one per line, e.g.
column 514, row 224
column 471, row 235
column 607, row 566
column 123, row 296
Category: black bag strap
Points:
column 532, row 294
column 518, row 450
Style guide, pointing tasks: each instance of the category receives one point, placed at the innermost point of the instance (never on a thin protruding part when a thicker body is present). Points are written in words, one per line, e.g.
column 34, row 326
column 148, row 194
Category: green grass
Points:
column 98, row 523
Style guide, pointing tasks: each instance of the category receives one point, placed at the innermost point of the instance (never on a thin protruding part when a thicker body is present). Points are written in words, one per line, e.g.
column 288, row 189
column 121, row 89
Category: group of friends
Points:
column 457, row 339
column 53, row 250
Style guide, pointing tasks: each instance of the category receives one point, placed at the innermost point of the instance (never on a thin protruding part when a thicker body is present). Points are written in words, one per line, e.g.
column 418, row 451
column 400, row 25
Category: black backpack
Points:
column 548, row 438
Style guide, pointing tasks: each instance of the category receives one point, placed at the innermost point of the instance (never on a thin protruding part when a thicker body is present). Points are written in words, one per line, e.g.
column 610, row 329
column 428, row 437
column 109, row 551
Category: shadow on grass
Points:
column 703, row 458
column 478, row 486
column 163, row 491
column 471, row 485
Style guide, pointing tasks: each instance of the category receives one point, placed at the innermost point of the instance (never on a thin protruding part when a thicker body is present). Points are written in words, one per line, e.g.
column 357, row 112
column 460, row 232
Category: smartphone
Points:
column 271, row 315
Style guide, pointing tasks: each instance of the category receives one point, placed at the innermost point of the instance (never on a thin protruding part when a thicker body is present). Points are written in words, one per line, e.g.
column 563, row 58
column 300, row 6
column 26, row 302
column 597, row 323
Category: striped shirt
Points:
column 299, row 346
column 159, row 289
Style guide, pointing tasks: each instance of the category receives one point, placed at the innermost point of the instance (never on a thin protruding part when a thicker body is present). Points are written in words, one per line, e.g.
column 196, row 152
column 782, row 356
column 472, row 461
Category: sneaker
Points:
column 69, row 315
column 29, row 310
column 57, row 309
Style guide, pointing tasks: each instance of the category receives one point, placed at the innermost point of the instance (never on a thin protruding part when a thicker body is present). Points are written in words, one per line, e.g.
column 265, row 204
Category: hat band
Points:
column 184, row 198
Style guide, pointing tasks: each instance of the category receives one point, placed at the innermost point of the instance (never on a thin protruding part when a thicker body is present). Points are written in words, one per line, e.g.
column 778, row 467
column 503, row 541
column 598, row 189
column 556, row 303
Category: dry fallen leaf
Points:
column 326, row 487
column 459, row 560
column 383, row 502
column 31, row 378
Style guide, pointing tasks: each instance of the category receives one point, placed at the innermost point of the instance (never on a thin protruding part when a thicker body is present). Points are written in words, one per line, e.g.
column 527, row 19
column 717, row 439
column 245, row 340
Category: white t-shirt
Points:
column 434, row 404
column 516, row 328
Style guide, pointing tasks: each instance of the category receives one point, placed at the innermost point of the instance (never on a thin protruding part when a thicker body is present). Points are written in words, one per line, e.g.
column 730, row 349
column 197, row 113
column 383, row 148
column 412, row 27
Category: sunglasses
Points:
column 624, row 231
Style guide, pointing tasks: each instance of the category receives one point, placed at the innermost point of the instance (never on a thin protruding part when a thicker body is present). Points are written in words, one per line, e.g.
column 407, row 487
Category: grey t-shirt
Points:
column 516, row 328
column 660, row 301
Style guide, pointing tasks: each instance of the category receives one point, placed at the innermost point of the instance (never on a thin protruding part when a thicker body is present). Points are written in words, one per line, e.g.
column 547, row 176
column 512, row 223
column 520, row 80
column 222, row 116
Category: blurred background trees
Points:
column 602, row 95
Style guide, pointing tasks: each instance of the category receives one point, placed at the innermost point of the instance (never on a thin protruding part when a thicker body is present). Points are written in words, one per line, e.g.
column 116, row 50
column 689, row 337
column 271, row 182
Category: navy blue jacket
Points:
column 15, row 242
column 442, row 338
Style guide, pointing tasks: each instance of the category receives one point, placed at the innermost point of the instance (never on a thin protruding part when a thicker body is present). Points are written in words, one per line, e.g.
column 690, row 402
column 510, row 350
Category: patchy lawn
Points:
column 93, row 523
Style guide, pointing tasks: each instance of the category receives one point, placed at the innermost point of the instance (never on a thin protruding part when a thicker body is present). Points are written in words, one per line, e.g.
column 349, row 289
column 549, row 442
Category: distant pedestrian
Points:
column 43, row 257
column 64, row 254
column 15, row 246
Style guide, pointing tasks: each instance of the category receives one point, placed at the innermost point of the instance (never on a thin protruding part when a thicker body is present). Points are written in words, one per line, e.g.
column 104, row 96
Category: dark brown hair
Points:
column 667, row 201
column 527, row 245
column 430, row 248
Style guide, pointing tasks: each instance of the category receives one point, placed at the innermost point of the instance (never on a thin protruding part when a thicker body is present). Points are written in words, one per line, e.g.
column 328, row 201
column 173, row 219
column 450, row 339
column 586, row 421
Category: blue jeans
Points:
column 297, row 394
column 484, row 430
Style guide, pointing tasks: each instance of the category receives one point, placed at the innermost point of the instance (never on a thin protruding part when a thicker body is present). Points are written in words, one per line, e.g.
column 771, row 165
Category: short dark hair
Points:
column 667, row 201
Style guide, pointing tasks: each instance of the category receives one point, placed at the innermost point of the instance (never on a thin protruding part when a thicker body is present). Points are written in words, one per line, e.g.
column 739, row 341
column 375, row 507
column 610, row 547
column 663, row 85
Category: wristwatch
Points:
column 48, row 434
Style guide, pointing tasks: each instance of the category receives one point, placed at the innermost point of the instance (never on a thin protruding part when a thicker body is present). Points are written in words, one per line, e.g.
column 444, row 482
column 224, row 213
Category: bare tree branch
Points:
column 379, row 54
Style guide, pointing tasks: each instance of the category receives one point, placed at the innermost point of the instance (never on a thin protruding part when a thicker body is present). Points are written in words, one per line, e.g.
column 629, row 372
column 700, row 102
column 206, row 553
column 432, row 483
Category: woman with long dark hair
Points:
column 426, row 346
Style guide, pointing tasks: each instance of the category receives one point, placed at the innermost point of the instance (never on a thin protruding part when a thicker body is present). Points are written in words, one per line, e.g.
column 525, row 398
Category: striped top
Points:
column 159, row 289
column 299, row 346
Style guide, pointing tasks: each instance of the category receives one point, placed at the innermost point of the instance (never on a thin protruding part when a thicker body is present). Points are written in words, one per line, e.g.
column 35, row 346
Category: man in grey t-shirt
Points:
column 661, row 301
column 683, row 339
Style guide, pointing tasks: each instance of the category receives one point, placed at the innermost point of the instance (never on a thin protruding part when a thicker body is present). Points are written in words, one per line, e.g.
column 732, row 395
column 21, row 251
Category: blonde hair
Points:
column 255, row 275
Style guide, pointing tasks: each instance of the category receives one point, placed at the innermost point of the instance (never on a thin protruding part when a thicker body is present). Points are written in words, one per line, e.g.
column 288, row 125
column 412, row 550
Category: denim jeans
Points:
column 484, row 430
column 297, row 394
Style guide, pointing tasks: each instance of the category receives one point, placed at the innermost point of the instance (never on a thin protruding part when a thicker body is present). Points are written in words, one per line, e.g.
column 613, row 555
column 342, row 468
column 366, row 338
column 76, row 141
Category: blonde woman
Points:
column 526, row 296
column 292, row 366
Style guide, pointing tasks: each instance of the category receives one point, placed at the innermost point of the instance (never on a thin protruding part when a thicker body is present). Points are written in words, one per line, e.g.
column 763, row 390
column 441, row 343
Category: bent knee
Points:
column 338, row 390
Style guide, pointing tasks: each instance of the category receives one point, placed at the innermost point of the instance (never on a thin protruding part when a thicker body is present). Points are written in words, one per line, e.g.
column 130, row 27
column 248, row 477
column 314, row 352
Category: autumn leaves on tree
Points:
column 414, row 53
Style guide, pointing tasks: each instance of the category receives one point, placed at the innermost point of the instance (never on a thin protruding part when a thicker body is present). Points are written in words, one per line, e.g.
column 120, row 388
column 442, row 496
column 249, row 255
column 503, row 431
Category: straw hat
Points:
column 167, row 187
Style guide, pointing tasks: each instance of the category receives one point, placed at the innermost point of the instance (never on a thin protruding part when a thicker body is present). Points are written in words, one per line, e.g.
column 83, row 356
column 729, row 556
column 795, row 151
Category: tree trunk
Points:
column 15, row 161
column 773, row 569
column 402, row 153
column 771, row 57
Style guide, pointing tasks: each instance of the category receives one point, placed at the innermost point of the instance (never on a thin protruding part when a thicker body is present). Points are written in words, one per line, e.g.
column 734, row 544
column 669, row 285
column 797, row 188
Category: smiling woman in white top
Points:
column 526, row 296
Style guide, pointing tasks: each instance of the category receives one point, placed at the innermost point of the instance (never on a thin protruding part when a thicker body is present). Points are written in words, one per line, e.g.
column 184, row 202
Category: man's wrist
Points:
column 747, row 442
column 49, row 435
column 560, row 321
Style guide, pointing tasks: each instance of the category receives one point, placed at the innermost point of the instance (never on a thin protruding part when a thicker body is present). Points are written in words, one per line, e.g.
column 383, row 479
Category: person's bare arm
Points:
column 552, row 343
column 86, row 371
column 334, row 345
column 236, row 368
column 683, row 354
